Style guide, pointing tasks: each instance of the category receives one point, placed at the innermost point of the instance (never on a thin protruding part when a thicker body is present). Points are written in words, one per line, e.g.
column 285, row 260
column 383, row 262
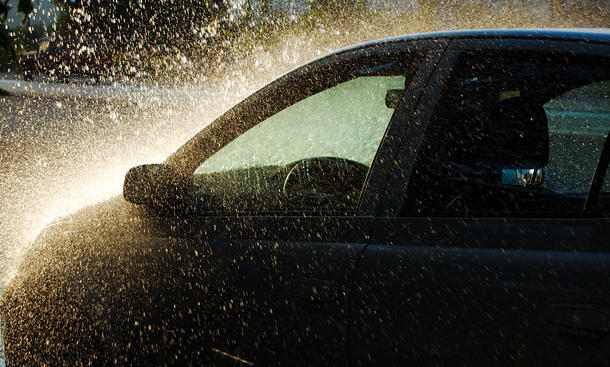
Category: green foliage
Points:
column 178, row 37
column 336, row 6
column 5, row 57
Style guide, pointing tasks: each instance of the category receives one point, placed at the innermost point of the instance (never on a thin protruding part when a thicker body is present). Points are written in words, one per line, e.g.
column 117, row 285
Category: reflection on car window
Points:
column 346, row 121
column 579, row 121
column 513, row 134
column 313, row 155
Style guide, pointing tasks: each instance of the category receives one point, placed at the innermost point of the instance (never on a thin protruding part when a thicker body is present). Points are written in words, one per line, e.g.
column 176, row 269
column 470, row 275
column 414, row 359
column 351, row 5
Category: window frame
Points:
column 292, row 87
column 394, row 195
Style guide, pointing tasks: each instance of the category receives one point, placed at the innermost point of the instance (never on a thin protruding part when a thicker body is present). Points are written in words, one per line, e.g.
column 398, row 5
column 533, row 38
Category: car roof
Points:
column 595, row 35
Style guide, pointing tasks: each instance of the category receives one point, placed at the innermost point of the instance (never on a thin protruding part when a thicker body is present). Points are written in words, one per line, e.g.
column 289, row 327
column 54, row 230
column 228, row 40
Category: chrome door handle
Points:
column 312, row 295
column 313, row 290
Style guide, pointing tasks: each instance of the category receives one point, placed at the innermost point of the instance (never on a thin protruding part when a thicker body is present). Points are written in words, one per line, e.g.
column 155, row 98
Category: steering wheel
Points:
column 324, row 182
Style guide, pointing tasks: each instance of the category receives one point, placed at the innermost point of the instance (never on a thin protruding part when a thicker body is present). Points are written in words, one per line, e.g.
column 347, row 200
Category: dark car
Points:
column 63, row 58
column 438, row 199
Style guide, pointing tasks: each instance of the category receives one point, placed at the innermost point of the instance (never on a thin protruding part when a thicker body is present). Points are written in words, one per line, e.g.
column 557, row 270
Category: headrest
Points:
column 518, row 134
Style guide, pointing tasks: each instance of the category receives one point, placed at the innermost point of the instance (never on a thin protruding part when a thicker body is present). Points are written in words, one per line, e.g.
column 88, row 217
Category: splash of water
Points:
column 59, row 154
column 64, row 154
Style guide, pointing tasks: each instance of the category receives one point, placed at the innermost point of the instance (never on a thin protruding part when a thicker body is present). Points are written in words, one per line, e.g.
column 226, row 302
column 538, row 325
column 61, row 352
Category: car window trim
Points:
column 376, row 181
column 600, row 174
column 413, row 136
column 179, row 158
column 574, row 47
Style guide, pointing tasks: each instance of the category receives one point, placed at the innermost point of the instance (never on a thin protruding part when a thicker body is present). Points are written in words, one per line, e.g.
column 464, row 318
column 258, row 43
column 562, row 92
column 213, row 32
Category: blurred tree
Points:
column 557, row 9
column 4, row 9
column 475, row 14
column 7, row 45
column 128, row 24
column 25, row 7
column 336, row 6
column 5, row 39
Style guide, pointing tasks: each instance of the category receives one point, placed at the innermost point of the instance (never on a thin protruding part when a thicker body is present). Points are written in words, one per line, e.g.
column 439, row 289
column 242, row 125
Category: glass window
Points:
column 346, row 121
column 312, row 156
column 513, row 134
column 579, row 121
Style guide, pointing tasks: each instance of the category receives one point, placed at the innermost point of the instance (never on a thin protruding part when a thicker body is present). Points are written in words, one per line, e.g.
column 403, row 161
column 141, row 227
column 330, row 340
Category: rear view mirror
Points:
column 514, row 135
column 392, row 98
column 156, row 185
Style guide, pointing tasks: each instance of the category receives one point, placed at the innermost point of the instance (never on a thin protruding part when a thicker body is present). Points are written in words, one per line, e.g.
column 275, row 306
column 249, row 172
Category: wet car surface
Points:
column 428, row 199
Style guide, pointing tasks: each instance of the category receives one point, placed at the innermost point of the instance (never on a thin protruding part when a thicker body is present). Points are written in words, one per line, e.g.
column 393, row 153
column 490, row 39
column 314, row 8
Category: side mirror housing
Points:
column 156, row 186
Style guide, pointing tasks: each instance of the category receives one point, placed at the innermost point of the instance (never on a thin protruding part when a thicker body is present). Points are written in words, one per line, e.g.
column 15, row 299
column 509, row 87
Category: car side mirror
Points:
column 156, row 186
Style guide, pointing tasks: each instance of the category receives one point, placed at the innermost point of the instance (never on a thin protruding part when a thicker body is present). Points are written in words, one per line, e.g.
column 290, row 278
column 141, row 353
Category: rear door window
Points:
column 514, row 134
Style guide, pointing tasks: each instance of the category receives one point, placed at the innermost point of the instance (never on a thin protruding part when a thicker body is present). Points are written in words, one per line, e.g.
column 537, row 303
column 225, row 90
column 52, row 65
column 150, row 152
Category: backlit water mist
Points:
column 65, row 148
column 59, row 153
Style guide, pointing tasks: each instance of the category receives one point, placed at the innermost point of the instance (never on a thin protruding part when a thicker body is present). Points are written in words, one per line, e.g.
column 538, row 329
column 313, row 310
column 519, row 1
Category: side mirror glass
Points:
column 392, row 98
column 156, row 185
column 523, row 176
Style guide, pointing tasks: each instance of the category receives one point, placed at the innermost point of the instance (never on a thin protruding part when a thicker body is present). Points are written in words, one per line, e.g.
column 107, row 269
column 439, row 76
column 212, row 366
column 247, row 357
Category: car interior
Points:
column 486, row 151
column 324, row 183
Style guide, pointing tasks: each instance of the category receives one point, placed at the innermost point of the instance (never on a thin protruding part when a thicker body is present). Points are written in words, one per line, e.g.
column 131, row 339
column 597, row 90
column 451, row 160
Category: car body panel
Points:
column 105, row 277
column 436, row 305
column 282, row 286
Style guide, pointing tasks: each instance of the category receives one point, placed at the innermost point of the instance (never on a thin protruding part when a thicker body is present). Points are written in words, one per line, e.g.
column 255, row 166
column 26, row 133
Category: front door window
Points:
column 312, row 156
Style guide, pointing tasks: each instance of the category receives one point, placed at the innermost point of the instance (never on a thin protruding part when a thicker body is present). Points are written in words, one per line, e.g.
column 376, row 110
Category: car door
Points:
column 485, row 251
column 279, row 181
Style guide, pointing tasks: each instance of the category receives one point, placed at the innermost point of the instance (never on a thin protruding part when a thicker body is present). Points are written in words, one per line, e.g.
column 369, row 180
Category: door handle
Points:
column 312, row 294
column 580, row 322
